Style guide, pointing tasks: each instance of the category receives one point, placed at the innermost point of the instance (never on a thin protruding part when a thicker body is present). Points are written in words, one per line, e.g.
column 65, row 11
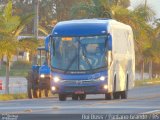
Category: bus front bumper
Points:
column 81, row 89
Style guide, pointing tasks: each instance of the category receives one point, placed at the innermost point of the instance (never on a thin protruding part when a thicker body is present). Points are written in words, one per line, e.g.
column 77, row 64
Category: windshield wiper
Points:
column 84, row 55
column 74, row 58
column 71, row 63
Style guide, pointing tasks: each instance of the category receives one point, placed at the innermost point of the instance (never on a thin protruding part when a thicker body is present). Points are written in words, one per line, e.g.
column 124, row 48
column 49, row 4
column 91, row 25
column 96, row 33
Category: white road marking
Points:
column 79, row 107
column 150, row 112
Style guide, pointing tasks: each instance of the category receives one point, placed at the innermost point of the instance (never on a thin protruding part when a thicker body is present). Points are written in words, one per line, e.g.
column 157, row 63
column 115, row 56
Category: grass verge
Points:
column 5, row 97
column 147, row 82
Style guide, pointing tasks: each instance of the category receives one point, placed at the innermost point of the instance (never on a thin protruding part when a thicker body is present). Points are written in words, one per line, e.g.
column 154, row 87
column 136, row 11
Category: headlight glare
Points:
column 53, row 88
column 42, row 76
column 56, row 79
column 105, row 87
column 102, row 78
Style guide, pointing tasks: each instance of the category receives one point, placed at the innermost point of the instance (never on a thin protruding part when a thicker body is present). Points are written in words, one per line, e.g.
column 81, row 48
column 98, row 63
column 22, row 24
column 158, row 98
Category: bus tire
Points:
column 62, row 97
column 116, row 95
column 74, row 97
column 124, row 94
column 82, row 96
column 108, row 96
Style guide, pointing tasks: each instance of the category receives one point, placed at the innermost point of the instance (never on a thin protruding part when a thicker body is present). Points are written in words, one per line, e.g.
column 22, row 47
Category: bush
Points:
column 4, row 97
column 155, row 81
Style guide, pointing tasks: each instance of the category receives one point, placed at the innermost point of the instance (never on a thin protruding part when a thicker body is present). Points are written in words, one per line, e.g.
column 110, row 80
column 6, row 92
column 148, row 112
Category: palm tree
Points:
column 92, row 9
column 138, row 19
column 153, row 53
column 97, row 8
column 146, row 14
column 10, row 27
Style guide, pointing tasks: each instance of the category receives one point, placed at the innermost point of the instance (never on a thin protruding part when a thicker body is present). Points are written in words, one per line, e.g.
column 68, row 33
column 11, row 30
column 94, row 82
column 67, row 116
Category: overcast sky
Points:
column 154, row 4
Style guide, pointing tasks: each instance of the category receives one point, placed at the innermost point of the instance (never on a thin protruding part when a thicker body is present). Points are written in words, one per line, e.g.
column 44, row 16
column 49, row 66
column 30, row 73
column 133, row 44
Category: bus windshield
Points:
column 79, row 53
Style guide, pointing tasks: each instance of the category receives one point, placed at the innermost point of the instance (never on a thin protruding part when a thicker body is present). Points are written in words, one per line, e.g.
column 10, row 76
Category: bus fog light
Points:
column 53, row 88
column 105, row 87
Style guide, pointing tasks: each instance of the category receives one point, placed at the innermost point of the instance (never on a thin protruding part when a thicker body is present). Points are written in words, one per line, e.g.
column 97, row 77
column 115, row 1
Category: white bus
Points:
column 92, row 56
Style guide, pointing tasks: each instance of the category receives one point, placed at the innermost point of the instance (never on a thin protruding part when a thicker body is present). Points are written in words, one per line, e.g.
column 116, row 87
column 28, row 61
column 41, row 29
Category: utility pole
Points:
column 145, row 4
column 36, row 19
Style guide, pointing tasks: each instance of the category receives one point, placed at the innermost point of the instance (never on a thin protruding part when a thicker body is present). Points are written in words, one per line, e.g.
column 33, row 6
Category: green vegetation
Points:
column 146, row 36
column 13, row 21
column 18, row 68
column 147, row 82
column 6, row 97
column 10, row 27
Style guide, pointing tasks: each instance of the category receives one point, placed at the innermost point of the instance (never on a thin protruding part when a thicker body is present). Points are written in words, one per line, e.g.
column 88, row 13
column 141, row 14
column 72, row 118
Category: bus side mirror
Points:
column 109, row 42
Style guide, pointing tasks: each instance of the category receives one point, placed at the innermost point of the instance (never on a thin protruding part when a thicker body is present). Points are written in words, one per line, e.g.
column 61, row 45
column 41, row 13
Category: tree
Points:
column 92, row 9
column 147, row 15
column 117, row 9
column 153, row 53
column 97, row 8
column 62, row 8
column 122, row 3
column 50, row 11
column 22, row 7
column 10, row 28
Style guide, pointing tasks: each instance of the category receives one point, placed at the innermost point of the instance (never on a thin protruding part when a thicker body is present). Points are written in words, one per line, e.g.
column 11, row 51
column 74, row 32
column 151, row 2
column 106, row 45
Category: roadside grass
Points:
column 147, row 82
column 19, row 68
column 138, row 83
column 5, row 97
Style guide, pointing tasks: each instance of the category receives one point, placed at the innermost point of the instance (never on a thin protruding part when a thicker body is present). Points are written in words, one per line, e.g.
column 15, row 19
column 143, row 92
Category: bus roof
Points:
column 83, row 27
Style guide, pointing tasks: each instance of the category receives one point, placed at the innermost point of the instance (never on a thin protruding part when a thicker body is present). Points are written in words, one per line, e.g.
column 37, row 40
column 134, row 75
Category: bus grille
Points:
column 82, row 81
column 80, row 88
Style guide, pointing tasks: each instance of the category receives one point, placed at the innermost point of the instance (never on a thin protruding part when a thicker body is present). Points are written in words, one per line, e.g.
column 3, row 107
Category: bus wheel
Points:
column 116, row 95
column 62, row 97
column 82, row 97
column 46, row 92
column 74, row 97
column 108, row 96
column 124, row 95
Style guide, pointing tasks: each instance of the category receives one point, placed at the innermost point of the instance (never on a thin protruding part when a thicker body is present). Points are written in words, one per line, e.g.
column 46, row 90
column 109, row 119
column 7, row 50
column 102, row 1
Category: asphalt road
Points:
column 142, row 100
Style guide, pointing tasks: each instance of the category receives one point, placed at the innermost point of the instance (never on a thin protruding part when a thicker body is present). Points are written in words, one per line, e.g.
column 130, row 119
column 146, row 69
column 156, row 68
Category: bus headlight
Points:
column 56, row 79
column 102, row 78
column 42, row 76
column 53, row 88
column 105, row 87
